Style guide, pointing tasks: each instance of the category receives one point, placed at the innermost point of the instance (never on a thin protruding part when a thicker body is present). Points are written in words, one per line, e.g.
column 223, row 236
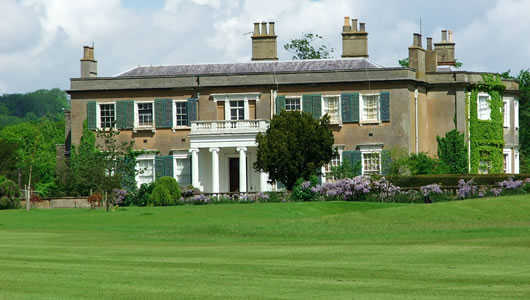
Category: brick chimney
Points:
column 431, row 60
column 89, row 66
column 445, row 50
column 417, row 56
column 354, row 39
column 264, row 46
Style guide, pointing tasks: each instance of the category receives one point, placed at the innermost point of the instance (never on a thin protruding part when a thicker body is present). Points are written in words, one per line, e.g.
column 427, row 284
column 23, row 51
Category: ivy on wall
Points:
column 486, row 136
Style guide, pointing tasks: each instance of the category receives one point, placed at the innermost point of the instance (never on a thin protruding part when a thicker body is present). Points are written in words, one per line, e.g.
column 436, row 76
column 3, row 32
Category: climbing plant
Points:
column 486, row 136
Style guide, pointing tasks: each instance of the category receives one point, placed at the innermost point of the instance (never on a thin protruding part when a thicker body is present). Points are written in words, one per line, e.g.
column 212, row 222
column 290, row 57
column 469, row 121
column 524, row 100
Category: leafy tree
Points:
column 452, row 151
column 295, row 146
column 404, row 62
column 17, row 108
column 308, row 47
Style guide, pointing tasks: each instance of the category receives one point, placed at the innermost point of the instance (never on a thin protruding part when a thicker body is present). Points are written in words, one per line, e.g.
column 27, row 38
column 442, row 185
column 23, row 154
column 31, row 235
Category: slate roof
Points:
column 296, row 66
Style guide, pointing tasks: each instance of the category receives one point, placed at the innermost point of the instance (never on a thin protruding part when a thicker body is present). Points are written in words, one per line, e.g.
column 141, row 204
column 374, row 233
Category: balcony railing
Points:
column 230, row 126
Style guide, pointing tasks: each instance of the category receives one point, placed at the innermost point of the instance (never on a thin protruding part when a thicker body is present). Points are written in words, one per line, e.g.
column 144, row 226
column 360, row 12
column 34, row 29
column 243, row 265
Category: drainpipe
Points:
column 273, row 96
column 468, row 136
column 416, row 121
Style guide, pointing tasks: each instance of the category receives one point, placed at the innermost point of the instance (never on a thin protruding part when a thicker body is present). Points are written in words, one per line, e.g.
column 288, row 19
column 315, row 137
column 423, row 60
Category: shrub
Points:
column 9, row 194
column 302, row 190
column 94, row 199
column 165, row 192
column 451, row 179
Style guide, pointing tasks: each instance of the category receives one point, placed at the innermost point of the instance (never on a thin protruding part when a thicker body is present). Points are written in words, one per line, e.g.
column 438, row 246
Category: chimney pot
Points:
column 346, row 27
column 256, row 29
column 444, row 35
column 264, row 28
column 417, row 40
column 362, row 27
column 429, row 43
column 450, row 36
column 354, row 25
column 271, row 28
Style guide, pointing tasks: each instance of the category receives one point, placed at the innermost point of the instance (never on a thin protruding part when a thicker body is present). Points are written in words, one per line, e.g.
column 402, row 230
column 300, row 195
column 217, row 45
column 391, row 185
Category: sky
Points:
column 41, row 40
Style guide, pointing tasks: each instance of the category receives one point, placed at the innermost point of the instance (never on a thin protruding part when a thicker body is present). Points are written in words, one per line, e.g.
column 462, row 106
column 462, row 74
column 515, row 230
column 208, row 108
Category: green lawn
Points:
column 476, row 249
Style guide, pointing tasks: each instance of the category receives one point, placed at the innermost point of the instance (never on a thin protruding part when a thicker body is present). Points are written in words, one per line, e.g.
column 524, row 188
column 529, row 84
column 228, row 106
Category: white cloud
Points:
column 41, row 40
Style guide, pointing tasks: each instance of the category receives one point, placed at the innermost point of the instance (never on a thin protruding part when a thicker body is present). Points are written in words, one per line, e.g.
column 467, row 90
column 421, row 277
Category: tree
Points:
column 295, row 146
column 305, row 48
column 452, row 151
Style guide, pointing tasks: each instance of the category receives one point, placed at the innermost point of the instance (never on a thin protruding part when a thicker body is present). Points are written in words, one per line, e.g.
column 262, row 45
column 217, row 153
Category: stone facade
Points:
column 375, row 108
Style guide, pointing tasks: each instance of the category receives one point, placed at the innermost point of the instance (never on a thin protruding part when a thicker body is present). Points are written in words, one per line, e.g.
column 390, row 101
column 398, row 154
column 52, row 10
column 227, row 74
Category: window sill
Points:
column 181, row 128
column 150, row 128
column 371, row 122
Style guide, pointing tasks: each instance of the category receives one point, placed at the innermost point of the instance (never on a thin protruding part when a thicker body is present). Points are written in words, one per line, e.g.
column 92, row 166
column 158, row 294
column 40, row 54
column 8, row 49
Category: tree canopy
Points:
column 309, row 46
column 295, row 146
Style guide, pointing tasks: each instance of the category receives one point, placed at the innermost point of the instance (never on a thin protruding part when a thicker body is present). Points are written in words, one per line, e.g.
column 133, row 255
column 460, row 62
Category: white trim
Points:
column 478, row 106
column 508, row 153
column 294, row 97
column 361, row 109
column 236, row 96
column 150, row 157
column 136, row 117
column 367, row 149
column 339, row 108
column 98, row 114
column 506, row 112
column 174, row 124
column 181, row 155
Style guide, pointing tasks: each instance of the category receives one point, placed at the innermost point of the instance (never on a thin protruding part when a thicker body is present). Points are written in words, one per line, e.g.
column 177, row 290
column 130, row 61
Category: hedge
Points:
column 452, row 179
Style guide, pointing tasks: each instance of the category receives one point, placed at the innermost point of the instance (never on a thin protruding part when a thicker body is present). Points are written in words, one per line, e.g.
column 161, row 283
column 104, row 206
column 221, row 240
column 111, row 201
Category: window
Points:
column 506, row 109
column 335, row 162
column 146, row 172
column 507, row 163
column 516, row 161
column 183, row 171
column 516, row 114
column 332, row 108
column 292, row 104
column 371, row 162
column 483, row 167
column 181, row 114
column 145, row 114
column 370, row 108
column 484, row 109
column 107, row 115
column 237, row 110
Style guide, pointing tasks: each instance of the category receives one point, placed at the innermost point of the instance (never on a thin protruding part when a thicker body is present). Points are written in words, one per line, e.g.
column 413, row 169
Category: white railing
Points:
column 230, row 126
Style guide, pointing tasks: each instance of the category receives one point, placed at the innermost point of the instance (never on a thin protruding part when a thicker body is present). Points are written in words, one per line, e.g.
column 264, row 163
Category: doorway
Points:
column 233, row 174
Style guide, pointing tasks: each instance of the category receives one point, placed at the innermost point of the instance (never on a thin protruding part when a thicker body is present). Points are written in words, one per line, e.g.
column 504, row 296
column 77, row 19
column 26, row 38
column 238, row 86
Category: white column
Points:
column 195, row 167
column 242, row 169
column 263, row 182
column 215, row 169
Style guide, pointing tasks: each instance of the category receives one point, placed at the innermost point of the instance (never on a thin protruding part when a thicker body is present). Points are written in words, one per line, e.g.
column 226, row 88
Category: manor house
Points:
column 198, row 123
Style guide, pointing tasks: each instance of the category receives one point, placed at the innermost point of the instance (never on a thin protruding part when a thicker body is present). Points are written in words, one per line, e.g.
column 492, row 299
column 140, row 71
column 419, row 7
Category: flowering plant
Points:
column 466, row 189
column 510, row 184
column 431, row 189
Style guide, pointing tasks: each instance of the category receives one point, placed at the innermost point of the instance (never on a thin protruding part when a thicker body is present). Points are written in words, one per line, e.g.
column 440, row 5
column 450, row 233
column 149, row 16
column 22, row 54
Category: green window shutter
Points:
column 164, row 166
column 164, row 113
column 280, row 104
column 307, row 104
column 91, row 115
column 346, row 107
column 317, row 106
column 354, row 159
column 355, row 108
column 125, row 114
column 191, row 108
column 386, row 162
column 385, row 106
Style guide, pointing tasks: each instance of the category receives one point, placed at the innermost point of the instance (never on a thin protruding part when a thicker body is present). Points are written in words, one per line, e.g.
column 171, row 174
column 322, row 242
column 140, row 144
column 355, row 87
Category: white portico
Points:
column 223, row 154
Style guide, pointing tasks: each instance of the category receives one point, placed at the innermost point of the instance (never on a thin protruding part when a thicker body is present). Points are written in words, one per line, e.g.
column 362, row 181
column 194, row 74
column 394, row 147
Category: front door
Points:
column 234, row 174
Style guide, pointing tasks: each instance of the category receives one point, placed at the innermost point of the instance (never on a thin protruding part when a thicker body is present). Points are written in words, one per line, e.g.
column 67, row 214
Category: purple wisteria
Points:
column 431, row 189
column 466, row 189
column 510, row 184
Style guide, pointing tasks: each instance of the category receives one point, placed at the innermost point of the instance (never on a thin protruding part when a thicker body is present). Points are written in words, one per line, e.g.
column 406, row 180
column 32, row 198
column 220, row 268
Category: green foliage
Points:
column 458, row 64
column 9, row 194
column 305, row 48
column 404, row 62
column 452, row 179
column 166, row 192
column 346, row 170
column 19, row 108
column 294, row 146
column 487, row 136
column 524, row 119
column 414, row 164
column 452, row 151
column 302, row 189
